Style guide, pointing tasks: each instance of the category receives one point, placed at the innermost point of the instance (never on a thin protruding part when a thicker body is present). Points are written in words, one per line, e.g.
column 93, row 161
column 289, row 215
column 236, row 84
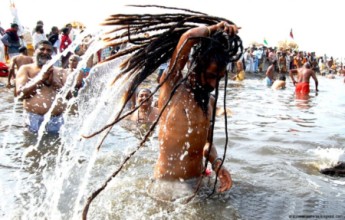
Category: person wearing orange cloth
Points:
column 303, row 76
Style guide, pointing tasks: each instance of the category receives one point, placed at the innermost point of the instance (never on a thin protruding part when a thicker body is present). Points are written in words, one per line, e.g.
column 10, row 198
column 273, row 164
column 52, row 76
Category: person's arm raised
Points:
column 184, row 46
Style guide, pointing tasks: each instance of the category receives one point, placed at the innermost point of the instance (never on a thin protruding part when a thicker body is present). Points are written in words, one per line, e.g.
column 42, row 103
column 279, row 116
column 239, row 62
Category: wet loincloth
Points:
column 34, row 121
column 302, row 88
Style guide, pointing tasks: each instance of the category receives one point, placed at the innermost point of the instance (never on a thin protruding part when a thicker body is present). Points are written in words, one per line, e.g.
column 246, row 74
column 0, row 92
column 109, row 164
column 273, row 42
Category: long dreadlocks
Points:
column 148, row 53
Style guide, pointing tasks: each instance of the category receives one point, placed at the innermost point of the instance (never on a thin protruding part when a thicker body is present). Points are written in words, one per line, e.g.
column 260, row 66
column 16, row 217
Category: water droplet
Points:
column 183, row 155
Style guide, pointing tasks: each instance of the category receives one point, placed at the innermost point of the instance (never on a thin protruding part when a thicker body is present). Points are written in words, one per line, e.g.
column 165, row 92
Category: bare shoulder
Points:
column 309, row 72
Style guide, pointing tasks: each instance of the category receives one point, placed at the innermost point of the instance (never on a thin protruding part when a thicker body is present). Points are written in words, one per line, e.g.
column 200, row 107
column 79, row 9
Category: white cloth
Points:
column 57, row 46
column 2, row 51
column 36, row 37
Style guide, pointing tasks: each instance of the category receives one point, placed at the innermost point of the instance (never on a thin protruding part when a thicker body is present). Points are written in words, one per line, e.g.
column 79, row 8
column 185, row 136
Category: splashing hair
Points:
column 213, row 49
column 149, row 52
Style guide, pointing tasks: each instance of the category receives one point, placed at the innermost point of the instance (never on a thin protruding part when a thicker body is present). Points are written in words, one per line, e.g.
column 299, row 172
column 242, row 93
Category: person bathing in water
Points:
column 185, row 124
column 186, row 107
column 38, row 95
column 146, row 113
column 303, row 77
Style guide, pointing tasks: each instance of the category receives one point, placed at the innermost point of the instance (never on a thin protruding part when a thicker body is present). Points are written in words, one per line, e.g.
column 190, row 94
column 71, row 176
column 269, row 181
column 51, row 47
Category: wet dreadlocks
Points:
column 149, row 52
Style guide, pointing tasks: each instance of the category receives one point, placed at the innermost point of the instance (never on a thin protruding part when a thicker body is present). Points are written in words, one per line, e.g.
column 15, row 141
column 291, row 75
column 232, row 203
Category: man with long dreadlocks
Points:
column 186, row 117
column 185, row 124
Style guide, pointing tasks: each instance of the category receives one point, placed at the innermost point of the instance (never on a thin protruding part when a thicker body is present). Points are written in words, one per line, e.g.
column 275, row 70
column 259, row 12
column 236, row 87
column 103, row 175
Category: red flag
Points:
column 291, row 34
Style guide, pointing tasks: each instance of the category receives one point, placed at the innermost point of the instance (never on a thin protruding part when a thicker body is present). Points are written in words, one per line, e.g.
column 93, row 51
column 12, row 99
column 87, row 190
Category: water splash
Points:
column 328, row 157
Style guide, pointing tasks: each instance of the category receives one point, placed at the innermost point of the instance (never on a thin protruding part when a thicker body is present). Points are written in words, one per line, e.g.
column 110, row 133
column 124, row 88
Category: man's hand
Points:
column 230, row 29
column 48, row 75
column 225, row 180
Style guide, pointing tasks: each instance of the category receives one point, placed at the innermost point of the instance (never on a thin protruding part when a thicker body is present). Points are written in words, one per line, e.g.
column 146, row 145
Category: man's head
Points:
column 73, row 61
column 23, row 49
column 211, row 58
column 43, row 52
column 65, row 30
column 307, row 65
column 69, row 26
column 39, row 29
column 142, row 95
column 55, row 30
column 14, row 26
column 211, row 76
column 282, row 77
column 39, row 23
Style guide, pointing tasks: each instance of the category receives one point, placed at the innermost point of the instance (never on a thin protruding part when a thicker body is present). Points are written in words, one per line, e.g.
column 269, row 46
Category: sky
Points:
column 316, row 24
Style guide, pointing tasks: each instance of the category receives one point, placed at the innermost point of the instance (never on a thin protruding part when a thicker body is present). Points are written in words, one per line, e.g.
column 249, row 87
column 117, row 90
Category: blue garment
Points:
column 86, row 71
column 12, row 46
column 34, row 121
column 269, row 82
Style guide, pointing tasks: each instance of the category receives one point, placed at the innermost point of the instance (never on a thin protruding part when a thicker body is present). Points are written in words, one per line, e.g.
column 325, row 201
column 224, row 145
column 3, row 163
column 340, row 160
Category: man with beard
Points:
column 185, row 123
column 39, row 91
column 146, row 113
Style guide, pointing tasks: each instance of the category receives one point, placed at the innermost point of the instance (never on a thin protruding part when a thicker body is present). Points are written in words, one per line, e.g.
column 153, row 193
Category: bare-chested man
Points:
column 39, row 94
column 303, row 76
column 185, row 124
column 146, row 113
column 270, row 73
column 17, row 62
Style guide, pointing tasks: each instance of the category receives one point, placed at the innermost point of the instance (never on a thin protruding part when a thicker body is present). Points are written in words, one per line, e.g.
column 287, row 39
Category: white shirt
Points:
column 36, row 37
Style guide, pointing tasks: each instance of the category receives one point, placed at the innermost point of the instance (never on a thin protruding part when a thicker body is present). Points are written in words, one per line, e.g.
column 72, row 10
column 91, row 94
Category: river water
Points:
column 277, row 145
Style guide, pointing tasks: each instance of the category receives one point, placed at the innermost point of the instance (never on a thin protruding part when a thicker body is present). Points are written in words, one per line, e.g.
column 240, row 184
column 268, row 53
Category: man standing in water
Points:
column 146, row 113
column 17, row 62
column 303, row 76
column 39, row 94
column 185, row 124
column 270, row 73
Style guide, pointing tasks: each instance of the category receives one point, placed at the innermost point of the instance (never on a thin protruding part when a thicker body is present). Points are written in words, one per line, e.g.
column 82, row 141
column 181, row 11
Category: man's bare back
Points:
column 303, row 76
column 15, row 64
column 21, row 60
